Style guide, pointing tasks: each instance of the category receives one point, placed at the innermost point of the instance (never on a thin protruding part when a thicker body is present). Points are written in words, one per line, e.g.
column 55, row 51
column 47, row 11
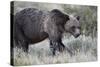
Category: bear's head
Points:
column 73, row 26
column 67, row 23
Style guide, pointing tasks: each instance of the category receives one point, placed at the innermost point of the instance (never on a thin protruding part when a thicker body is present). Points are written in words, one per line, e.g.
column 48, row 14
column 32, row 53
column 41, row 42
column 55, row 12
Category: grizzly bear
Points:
column 31, row 26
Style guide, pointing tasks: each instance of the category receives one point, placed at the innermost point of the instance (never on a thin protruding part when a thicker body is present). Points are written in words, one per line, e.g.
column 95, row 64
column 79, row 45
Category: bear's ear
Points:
column 78, row 17
column 56, row 10
column 67, row 17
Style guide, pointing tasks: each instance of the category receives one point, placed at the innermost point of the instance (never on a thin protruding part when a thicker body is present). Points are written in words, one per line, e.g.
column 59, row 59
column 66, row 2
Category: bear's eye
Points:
column 73, row 28
column 79, row 27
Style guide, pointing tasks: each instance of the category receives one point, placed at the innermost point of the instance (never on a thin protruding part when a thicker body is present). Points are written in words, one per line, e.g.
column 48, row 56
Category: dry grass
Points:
column 84, row 48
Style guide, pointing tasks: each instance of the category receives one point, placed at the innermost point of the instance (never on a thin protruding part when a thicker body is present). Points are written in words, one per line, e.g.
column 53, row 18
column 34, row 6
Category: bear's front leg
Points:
column 61, row 47
column 56, row 46
column 53, row 47
column 55, row 36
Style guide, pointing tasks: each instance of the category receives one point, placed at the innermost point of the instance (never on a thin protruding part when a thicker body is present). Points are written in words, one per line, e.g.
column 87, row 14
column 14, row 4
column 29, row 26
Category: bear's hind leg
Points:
column 24, row 46
column 19, row 37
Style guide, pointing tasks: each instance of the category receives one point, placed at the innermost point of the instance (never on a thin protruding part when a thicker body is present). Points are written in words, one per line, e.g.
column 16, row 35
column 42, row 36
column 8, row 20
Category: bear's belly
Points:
column 38, row 38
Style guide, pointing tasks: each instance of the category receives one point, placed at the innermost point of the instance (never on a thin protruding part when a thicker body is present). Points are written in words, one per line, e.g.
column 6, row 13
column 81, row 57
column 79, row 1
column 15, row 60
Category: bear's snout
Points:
column 77, row 35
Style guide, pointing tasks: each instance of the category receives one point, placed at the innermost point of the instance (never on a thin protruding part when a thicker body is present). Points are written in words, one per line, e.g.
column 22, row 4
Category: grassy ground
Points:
column 84, row 48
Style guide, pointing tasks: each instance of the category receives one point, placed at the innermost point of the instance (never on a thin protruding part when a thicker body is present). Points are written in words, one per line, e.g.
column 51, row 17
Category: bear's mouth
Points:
column 76, row 35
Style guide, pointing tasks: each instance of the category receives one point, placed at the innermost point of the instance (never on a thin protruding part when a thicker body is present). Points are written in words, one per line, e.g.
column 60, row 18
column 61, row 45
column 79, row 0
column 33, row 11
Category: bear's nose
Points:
column 77, row 35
